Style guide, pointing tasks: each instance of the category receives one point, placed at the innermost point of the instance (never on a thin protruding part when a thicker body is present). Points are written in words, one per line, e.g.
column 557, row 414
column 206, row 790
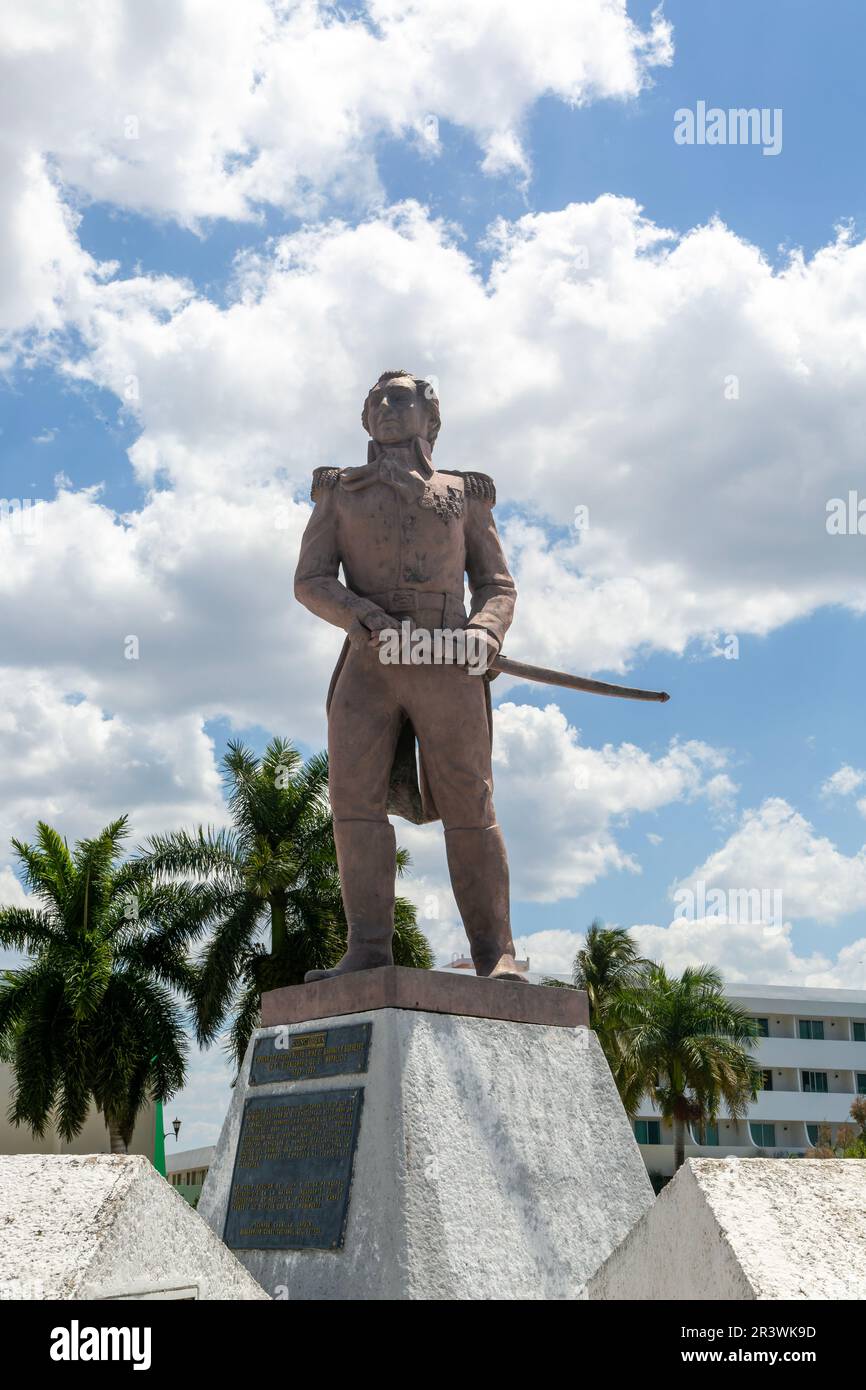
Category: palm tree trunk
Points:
column 116, row 1139
column 679, row 1143
column 278, row 922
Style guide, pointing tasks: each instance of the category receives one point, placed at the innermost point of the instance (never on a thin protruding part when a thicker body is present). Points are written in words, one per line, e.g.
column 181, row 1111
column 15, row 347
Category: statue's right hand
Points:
column 366, row 633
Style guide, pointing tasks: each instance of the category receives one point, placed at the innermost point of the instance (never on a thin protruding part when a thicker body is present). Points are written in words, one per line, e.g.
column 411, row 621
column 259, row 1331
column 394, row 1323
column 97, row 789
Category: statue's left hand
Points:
column 485, row 647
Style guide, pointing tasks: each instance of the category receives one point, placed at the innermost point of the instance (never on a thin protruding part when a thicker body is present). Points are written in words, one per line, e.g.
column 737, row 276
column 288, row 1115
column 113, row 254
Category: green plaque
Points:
column 305, row 1056
column 293, row 1171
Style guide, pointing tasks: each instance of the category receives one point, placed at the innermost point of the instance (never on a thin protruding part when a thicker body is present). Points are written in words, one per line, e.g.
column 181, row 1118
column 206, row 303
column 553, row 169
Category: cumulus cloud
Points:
column 197, row 109
column 775, row 849
column 750, row 953
column 237, row 403
column 551, row 951
column 65, row 761
column 173, row 609
column 202, row 108
column 690, row 529
column 11, row 892
column 561, row 803
column 844, row 782
column 42, row 265
column 745, row 952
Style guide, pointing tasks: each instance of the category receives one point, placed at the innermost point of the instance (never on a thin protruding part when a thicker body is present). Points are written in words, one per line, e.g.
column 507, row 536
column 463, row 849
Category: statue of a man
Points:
column 407, row 537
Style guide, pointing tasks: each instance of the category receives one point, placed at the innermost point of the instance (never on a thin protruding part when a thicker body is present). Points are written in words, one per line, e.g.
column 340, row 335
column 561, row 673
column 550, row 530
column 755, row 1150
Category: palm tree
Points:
column 275, row 875
column 608, row 967
column 94, row 1015
column 685, row 1045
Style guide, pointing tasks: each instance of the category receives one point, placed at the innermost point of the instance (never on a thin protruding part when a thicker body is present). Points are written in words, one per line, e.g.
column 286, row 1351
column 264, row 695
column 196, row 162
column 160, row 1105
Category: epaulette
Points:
column 324, row 477
column 475, row 484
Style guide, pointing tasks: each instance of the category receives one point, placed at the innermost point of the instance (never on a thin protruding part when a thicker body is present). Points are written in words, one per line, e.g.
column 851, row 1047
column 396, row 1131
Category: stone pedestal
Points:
column 418, row 1137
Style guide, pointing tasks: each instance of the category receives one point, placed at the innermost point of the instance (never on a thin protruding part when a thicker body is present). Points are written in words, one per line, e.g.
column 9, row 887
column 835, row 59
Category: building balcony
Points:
column 828, row 1055
column 807, row 1106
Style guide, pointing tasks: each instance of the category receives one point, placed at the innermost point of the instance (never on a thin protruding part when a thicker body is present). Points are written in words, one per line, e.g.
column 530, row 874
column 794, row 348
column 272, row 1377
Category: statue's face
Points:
column 396, row 412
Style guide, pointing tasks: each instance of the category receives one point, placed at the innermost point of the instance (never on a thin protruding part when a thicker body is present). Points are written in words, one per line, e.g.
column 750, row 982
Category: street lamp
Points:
column 175, row 1124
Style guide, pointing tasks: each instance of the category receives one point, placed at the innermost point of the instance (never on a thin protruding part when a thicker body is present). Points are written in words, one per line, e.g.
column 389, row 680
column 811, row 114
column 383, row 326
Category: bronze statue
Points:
column 407, row 538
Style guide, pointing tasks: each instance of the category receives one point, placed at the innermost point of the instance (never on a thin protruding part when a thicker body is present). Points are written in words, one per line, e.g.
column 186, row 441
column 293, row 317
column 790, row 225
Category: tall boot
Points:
column 478, row 866
column 367, row 857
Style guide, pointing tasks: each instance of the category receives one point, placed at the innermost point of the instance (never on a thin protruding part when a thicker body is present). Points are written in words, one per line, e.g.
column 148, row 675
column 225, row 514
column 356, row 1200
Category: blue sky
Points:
column 231, row 300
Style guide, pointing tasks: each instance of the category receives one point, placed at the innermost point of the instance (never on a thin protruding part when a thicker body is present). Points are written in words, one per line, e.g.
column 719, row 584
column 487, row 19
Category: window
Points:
column 763, row 1027
column 812, row 1028
column 815, row 1081
column 859, row 1028
column 647, row 1131
column 708, row 1137
column 764, row 1136
column 766, row 1081
column 812, row 1135
column 861, row 1083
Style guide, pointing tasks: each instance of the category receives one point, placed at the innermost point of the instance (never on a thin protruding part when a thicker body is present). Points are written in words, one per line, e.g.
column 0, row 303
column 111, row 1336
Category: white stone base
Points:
column 747, row 1228
column 97, row 1226
column 494, row 1161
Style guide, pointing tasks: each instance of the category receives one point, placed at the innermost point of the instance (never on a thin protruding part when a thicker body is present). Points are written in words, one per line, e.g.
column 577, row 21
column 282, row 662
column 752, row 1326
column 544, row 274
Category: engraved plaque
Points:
column 327, row 1052
column 293, row 1171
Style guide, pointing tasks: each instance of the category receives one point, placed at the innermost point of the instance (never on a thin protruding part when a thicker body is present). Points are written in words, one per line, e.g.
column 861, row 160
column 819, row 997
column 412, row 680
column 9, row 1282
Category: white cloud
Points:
column 63, row 760
column 11, row 892
column 776, row 849
column 745, row 952
column 202, row 108
column 694, row 531
column 197, row 109
column 551, row 951
column 238, row 404
column 42, row 265
column 562, row 803
column 844, row 781
column 750, row 953
column 204, row 588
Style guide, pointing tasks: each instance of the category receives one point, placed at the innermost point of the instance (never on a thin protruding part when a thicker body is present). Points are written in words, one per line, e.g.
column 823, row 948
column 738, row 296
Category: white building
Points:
column 18, row 1139
column 186, row 1170
column 812, row 1051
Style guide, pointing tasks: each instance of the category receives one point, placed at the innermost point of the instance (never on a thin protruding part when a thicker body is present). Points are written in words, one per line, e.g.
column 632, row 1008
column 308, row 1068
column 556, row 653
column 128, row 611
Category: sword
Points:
column 521, row 671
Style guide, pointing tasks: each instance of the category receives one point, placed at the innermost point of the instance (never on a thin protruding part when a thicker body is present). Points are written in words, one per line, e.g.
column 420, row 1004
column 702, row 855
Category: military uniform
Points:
column 406, row 537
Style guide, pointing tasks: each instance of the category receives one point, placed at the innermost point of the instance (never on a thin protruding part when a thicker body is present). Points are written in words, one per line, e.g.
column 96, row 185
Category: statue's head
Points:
column 399, row 407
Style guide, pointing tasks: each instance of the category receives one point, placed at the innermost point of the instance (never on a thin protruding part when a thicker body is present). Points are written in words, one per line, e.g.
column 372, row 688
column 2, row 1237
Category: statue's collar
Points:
column 416, row 455
column 386, row 463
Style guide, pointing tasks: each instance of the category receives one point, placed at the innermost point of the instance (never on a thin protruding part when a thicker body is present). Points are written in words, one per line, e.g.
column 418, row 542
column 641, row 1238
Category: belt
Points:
column 414, row 600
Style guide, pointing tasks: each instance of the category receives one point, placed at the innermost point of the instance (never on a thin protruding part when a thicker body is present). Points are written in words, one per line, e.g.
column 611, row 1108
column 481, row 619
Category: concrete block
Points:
column 100, row 1226
column 747, row 1228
